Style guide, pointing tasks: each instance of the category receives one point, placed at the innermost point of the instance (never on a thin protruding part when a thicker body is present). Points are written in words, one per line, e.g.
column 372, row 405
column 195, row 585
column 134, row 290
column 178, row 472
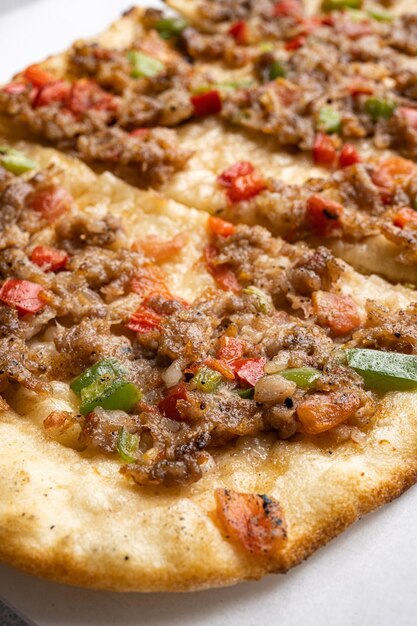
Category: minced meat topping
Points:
column 163, row 382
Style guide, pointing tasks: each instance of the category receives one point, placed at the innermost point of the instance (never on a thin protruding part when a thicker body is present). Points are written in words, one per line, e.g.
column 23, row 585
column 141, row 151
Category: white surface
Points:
column 365, row 577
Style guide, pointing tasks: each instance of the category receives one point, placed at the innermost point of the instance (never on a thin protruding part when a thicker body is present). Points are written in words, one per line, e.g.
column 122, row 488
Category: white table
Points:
column 366, row 577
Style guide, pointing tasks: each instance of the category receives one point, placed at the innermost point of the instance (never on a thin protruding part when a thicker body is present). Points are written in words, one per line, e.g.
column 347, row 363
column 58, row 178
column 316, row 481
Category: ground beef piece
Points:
column 13, row 198
column 271, row 109
column 79, row 230
column 105, row 270
column 313, row 271
column 403, row 34
column 86, row 343
column 109, row 67
column 384, row 331
column 186, row 335
column 398, row 134
column 9, row 320
column 101, row 428
column 155, row 155
column 18, row 363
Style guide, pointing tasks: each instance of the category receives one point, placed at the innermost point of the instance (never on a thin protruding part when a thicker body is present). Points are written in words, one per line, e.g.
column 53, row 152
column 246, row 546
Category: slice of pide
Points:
column 142, row 427
column 112, row 100
column 342, row 73
column 363, row 207
column 309, row 82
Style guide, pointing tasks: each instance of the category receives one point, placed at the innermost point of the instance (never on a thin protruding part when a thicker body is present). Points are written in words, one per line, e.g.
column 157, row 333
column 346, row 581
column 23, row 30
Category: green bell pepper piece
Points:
column 329, row 120
column 126, row 445
column 338, row 5
column 106, row 368
column 170, row 27
column 384, row 371
column 144, row 65
column 277, row 70
column 15, row 161
column 110, row 394
column 379, row 108
column 207, row 380
column 303, row 377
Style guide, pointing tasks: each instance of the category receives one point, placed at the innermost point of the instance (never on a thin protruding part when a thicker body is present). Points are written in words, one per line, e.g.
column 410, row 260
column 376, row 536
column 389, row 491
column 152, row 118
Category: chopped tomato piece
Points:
column 144, row 320
column 169, row 407
column 404, row 216
column 87, row 94
column 57, row 91
column 37, row 76
column 150, row 281
column 22, row 295
column 51, row 202
column 249, row 371
column 242, row 181
column 358, row 88
column 49, row 259
column 397, row 167
column 208, row 103
column 230, row 348
column 320, row 412
column 239, row 32
column 220, row 227
column 324, row 151
column 159, row 249
column 287, row 8
column 410, row 116
column 14, row 88
column 348, row 156
column 338, row 312
column 294, row 44
column 323, row 215
column 221, row 272
column 256, row 522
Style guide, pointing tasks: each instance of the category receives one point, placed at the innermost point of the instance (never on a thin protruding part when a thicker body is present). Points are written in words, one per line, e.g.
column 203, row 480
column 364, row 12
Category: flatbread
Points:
column 70, row 516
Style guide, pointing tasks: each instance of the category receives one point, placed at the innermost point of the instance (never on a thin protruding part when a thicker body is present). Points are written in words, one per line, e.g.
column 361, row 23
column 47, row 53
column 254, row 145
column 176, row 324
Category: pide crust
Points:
column 70, row 516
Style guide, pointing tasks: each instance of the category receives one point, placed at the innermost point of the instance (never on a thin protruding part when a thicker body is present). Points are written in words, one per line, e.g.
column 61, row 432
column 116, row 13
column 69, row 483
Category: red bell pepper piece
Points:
column 22, row 295
column 208, row 103
column 220, row 227
column 287, row 8
column 168, row 405
column 323, row 215
column 239, row 32
column 49, row 259
column 358, row 88
column 348, row 156
column 87, row 94
column 324, row 152
column 57, row 91
column 37, row 76
column 249, row 371
column 294, row 44
column 404, row 216
column 144, row 320
column 242, row 181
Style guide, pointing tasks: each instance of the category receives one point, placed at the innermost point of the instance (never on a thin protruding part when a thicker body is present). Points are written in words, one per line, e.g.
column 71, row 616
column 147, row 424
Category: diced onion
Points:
column 273, row 388
column 172, row 374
